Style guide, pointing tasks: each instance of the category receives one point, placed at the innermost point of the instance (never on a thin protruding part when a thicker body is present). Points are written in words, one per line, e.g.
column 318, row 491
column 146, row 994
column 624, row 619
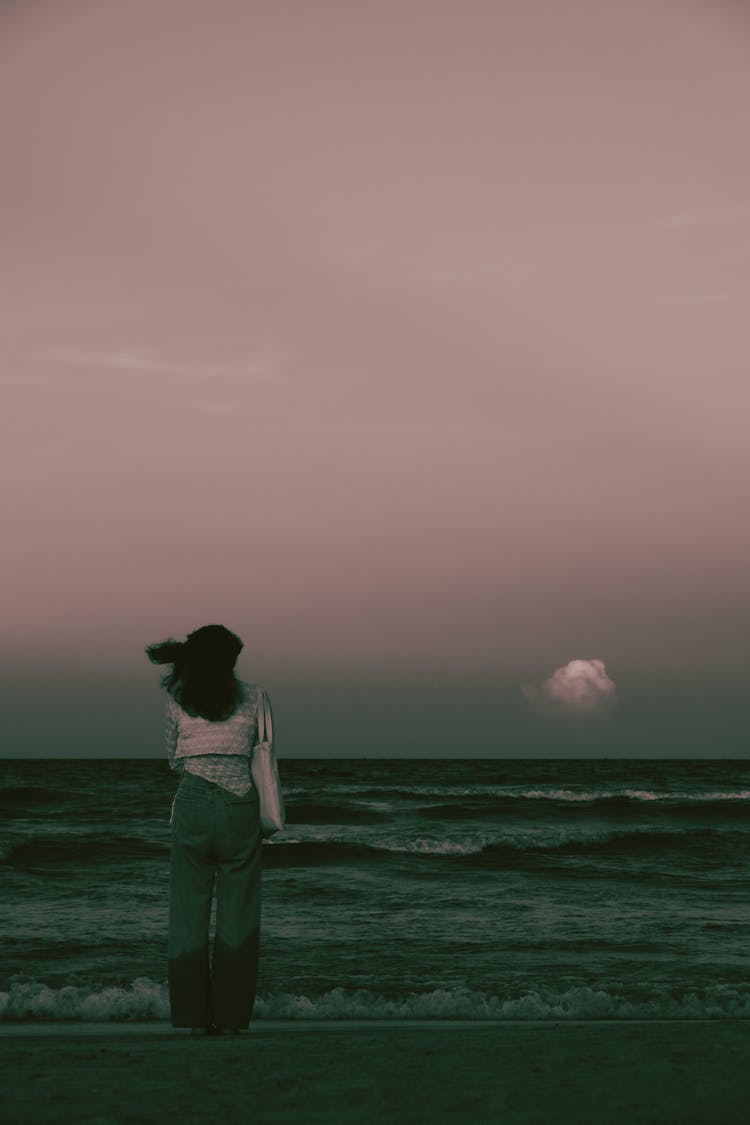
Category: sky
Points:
column 410, row 340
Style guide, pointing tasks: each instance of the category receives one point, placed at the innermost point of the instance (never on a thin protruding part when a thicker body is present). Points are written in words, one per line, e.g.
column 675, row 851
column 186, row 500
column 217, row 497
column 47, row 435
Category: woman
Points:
column 211, row 727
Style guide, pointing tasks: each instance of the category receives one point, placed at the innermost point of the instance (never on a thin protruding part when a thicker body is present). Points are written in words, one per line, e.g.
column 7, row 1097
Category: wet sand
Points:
column 365, row 1071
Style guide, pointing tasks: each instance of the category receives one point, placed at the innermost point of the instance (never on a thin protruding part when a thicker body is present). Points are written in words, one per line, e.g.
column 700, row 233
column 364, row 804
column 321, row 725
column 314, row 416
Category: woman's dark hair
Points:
column 202, row 678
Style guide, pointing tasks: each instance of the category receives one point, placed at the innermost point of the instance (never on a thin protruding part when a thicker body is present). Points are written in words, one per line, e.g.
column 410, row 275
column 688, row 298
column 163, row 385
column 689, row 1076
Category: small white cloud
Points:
column 580, row 686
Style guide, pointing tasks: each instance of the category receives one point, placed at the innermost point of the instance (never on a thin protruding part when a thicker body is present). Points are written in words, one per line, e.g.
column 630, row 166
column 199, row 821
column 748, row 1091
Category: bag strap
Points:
column 265, row 722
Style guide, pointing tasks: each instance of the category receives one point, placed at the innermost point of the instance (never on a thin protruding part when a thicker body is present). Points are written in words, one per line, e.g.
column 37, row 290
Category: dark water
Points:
column 457, row 889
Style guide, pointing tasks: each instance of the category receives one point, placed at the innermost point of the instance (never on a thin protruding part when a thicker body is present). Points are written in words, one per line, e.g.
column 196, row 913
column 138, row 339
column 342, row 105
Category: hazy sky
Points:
column 408, row 338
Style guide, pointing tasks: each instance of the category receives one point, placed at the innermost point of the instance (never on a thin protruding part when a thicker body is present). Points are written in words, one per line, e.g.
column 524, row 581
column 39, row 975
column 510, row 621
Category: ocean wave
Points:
column 143, row 999
column 146, row 999
column 318, row 812
column 619, row 808
column 60, row 849
column 334, row 849
column 579, row 1003
column 618, row 846
column 509, row 850
column 13, row 793
column 525, row 793
column 300, row 846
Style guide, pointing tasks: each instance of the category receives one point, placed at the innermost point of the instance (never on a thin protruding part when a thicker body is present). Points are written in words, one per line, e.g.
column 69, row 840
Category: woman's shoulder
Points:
column 251, row 692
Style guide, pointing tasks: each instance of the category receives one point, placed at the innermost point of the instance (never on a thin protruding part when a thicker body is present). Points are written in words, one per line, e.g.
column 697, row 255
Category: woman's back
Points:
column 193, row 735
column 217, row 750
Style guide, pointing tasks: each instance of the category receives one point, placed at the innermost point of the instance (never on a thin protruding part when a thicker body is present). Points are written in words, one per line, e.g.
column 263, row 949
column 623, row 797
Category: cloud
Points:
column 579, row 687
column 697, row 216
column 263, row 370
column 711, row 298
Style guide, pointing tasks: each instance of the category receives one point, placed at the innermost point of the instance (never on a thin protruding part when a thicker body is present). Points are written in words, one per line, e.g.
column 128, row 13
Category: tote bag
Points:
column 265, row 773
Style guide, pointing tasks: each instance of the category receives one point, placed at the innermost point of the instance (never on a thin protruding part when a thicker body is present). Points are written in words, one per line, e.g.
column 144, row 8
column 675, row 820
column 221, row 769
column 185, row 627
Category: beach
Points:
column 397, row 1071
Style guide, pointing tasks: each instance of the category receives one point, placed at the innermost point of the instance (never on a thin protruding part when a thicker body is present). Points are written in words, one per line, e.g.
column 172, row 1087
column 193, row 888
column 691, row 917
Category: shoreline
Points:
column 32, row 1027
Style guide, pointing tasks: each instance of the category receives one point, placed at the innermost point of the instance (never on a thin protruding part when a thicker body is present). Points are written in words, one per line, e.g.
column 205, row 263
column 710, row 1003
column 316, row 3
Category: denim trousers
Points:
column 216, row 839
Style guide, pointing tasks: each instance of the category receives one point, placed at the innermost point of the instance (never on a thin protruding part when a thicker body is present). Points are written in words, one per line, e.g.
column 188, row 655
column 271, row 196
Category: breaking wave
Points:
column 148, row 1000
column 509, row 851
column 549, row 793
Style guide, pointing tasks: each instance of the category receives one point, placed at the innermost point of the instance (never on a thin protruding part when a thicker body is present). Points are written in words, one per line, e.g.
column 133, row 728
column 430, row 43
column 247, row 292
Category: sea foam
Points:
column 145, row 999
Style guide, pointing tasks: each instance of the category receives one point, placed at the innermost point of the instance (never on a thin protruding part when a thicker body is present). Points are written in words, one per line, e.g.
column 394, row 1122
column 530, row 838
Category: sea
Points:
column 471, row 889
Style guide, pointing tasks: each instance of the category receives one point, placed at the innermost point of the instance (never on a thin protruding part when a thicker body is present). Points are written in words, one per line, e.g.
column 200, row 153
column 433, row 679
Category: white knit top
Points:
column 218, row 751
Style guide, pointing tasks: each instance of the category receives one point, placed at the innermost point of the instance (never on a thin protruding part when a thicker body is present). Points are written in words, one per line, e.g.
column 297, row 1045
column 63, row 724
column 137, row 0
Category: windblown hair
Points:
column 201, row 678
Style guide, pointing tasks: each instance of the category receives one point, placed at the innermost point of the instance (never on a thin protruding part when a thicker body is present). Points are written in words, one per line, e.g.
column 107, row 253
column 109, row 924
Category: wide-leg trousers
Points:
column 216, row 840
